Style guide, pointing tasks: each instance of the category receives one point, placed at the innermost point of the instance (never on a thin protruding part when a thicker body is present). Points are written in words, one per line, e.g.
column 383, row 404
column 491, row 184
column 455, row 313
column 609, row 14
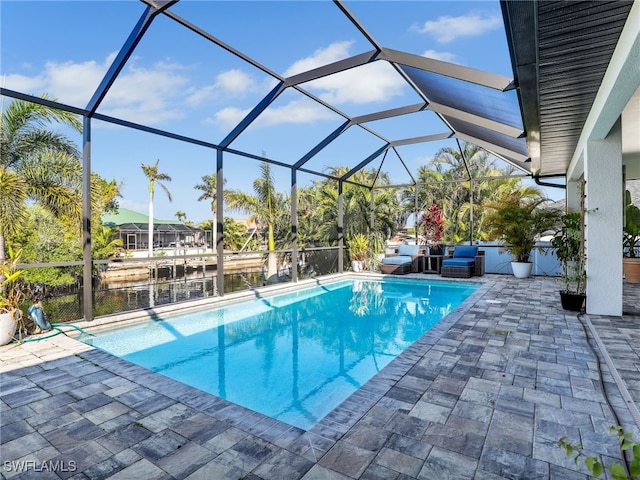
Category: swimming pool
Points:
column 293, row 356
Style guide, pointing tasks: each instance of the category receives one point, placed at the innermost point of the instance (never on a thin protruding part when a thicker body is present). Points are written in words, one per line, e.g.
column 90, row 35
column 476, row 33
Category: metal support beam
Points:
column 364, row 163
column 253, row 114
column 471, row 75
column 294, row 226
column 423, row 139
column 330, row 138
column 219, row 241
column 466, row 166
column 372, row 206
column 415, row 212
column 87, row 270
column 340, row 229
column 471, row 225
column 504, row 129
column 332, row 68
column 394, row 112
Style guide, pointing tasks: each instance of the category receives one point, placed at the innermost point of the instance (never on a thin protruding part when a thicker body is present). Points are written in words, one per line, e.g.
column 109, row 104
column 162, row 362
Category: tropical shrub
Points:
column 518, row 219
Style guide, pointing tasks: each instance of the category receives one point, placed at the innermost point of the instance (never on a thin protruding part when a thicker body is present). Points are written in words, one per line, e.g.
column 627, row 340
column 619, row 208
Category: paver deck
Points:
column 486, row 394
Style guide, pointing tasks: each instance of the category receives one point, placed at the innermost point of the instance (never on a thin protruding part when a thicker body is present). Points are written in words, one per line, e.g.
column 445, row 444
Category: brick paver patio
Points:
column 486, row 394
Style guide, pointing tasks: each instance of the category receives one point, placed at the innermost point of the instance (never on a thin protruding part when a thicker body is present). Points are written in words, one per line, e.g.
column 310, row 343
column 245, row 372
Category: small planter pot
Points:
column 8, row 326
column 521, row 269
column 631, row 268
column 572, row 301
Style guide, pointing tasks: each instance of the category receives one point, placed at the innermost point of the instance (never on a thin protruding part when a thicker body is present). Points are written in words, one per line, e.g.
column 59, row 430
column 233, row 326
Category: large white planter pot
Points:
column 521, row 269
column 357, row 266
column 8, row 326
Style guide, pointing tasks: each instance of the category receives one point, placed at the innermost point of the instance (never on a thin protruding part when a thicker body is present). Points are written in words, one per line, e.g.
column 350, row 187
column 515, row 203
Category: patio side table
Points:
column 432, row 264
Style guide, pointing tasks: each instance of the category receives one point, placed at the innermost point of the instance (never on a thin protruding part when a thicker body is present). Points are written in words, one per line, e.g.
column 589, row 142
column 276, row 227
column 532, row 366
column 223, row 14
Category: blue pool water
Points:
column 294, row 356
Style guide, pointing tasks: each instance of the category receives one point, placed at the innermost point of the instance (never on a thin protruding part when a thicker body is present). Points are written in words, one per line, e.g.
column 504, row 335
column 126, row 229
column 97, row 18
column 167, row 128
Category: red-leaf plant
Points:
column 433, row 225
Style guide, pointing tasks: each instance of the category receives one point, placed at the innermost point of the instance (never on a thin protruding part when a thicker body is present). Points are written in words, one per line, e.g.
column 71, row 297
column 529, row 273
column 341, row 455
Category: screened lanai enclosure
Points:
column 252, row 108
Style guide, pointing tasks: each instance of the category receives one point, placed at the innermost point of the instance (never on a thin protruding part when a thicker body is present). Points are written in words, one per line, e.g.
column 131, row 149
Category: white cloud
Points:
column 22, row 83
column 334, row 52
column 444, row 56
column 148, row 96
column 374, row 82
column 71, row 83
column 145, row 95
column 447, row 29
column 228, row 117
column 234, row 83
column 303, row 111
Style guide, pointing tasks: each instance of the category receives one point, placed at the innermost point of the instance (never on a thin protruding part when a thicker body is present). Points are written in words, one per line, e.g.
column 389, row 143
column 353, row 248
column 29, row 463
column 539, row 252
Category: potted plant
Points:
column 432, row 223
column 518, row 219
column 630, row 239
column 11, row 295
column 358, row 251
column 376, row 250
column 568, row 243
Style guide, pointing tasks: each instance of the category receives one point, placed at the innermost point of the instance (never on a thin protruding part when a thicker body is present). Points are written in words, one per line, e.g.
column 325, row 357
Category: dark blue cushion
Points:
column 465, row 252
column 459, row 262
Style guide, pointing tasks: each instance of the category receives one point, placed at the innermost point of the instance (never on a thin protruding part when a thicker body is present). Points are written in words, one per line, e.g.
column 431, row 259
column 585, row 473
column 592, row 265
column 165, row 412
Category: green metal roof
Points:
column 125, row 215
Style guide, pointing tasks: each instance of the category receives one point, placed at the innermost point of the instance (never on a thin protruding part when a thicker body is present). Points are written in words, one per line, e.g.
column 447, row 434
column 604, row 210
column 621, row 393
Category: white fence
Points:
column 545, row 262
column 497, row 260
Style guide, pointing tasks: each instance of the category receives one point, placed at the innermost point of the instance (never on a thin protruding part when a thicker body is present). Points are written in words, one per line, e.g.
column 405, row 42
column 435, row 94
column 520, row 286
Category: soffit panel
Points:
column 574, row 44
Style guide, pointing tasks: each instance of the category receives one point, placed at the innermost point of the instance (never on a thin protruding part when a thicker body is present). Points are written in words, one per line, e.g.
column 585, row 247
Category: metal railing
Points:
column 130, row 283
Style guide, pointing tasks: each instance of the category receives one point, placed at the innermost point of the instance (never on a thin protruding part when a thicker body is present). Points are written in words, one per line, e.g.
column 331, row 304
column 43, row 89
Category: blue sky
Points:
column 179, row 82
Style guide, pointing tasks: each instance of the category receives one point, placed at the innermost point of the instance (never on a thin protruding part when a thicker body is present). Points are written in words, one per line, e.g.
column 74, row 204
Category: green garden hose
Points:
column 59, row 330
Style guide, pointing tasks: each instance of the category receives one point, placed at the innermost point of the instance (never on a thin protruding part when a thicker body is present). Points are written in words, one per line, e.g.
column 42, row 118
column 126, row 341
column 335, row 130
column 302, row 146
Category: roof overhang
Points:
column 560, row 52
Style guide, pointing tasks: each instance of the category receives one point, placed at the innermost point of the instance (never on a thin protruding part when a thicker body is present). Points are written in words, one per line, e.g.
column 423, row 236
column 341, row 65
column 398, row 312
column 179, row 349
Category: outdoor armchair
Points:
column 405, row 260
column 465, row 262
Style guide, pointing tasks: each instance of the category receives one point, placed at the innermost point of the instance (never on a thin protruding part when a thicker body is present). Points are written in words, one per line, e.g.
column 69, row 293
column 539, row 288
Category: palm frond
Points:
column 14, row 192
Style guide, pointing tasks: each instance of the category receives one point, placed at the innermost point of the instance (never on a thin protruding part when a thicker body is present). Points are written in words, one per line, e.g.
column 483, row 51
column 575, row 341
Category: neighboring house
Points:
column 133, row 228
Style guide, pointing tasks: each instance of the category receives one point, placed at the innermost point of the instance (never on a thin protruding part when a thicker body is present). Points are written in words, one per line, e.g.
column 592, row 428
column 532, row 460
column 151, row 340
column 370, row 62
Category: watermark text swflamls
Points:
column 47, row 466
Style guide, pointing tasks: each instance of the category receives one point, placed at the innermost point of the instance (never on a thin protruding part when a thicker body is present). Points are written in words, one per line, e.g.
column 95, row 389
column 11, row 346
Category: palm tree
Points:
column 267, row 208
column 36, row 164
column 449, row 187
column 209, row 188
column 181, row 215
column 318, row 207
column 14, row 192
column 153, row 175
